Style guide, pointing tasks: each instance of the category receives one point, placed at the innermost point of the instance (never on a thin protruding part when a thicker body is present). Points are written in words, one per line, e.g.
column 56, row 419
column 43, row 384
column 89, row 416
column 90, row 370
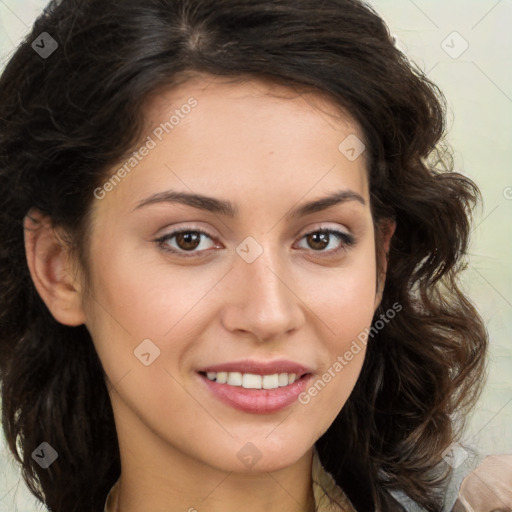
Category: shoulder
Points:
column 488, row 487
column 477, row 483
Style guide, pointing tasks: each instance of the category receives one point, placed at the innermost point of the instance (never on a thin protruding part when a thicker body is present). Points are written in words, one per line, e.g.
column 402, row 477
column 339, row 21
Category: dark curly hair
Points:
column 67, row 118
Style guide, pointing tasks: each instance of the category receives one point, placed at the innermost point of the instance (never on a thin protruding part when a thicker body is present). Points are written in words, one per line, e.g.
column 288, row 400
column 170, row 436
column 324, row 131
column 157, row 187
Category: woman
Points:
column 229, row 266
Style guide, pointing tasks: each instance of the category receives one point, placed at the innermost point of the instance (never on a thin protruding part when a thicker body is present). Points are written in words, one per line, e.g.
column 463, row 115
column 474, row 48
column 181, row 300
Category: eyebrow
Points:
column 227, row 208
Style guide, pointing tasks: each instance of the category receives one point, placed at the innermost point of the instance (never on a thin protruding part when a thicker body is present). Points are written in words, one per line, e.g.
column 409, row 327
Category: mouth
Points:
column 252, row 380
column 254, row 387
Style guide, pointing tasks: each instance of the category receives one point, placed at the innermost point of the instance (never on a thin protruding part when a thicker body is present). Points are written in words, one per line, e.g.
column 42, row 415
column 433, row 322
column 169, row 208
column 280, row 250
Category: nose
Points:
column 262, row 301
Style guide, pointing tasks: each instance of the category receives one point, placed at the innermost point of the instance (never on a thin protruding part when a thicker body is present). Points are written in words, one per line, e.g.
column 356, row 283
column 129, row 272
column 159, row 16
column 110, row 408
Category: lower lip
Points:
column 258, row 401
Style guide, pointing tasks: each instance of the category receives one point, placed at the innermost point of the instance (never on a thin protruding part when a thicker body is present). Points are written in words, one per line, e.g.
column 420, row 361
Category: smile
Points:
column 256, row 387
column 253, row 381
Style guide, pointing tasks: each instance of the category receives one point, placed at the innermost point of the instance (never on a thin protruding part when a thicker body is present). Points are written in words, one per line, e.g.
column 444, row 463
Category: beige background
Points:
column 478, row 86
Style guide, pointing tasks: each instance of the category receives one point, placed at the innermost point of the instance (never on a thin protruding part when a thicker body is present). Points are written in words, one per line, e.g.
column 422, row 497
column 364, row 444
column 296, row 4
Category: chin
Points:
column 267, row 454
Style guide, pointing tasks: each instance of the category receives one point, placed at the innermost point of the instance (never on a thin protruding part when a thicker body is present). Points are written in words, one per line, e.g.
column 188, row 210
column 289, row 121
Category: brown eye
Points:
column 319, row 240
column 188, row 240
column 332, row 240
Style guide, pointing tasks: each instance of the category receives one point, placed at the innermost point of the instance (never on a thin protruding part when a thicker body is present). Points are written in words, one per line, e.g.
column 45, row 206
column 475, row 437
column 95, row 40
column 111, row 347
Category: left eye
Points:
column 328, row 239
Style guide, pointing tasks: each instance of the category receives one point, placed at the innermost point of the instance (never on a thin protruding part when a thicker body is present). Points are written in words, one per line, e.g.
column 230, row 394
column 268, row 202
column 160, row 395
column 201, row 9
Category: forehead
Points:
column 248, row 94
column 246, row 139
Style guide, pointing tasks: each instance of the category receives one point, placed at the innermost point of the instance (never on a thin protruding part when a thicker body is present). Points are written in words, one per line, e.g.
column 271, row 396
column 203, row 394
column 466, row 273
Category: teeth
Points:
column 283, row 379
column 271, row 381
column 234, row 379
column 253, row 381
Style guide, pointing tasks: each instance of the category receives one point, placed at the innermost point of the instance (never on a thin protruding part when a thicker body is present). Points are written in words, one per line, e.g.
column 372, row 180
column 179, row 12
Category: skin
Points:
column 267, row 149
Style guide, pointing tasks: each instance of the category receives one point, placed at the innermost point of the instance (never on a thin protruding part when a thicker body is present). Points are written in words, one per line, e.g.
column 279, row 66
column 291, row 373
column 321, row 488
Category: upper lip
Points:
column 258, row 367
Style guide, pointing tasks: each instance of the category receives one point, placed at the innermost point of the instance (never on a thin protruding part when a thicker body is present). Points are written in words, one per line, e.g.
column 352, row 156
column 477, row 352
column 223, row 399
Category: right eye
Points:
column 183, row 241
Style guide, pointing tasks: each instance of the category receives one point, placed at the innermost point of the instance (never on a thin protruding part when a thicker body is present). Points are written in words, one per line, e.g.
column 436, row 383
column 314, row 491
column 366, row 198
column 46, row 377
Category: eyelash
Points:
column 346, row 240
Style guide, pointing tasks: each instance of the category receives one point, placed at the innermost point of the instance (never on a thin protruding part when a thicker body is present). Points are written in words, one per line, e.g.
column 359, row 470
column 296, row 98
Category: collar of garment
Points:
column 328, row 496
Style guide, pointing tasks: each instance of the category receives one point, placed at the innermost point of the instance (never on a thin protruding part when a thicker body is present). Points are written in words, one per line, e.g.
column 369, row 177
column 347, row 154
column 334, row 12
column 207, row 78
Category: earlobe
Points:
column 48, row 259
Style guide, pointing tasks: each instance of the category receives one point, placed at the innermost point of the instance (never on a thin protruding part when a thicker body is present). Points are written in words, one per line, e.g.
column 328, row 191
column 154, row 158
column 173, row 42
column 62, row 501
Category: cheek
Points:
column 345, row 304
column 142, row 298
column 138, row 299
column 345, row 351
column 139, row 309
column 351, row 307
column 343, row 298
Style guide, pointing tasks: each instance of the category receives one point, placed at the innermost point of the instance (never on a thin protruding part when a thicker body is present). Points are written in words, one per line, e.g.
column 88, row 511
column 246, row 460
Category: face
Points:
column 222, row 288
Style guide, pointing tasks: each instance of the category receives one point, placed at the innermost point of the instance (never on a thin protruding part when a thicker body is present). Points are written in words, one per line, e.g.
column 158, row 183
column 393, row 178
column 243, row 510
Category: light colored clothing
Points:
column 487, row 488
column 328, row 496
column 479, row 485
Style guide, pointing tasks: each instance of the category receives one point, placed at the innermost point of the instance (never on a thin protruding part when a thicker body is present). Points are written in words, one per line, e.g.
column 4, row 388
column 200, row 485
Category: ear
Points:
column 386, row 230
column 49, row 262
